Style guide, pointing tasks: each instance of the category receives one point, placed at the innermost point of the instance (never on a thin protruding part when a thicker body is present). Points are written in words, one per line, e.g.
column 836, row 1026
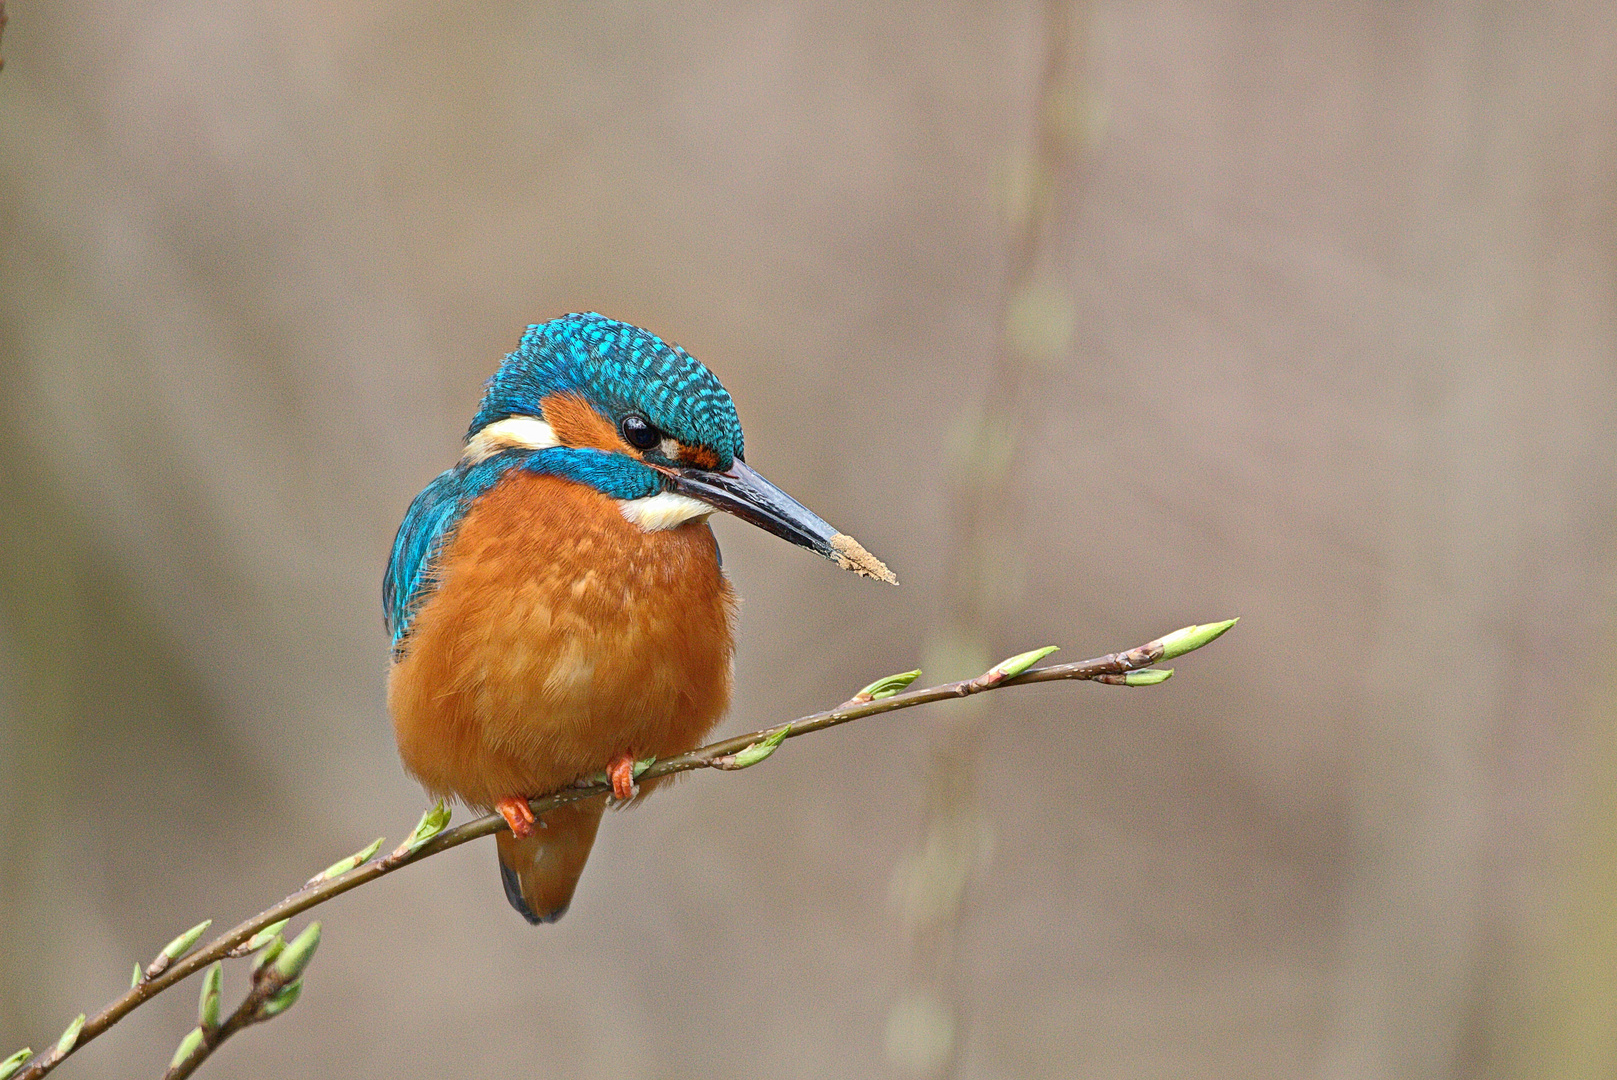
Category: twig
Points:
column 277, row 982
column 1131, row 668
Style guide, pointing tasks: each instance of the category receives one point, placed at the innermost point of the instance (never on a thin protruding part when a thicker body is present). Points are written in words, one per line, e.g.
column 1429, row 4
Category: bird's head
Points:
column 646, row 423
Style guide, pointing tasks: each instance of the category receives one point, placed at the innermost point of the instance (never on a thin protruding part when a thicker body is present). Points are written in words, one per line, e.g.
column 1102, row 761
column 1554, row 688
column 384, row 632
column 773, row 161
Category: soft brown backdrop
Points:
column 1341, row 362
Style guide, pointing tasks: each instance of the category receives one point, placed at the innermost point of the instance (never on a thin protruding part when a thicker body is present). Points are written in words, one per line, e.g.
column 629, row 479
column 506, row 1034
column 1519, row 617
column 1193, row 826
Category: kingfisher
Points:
column 556, row 598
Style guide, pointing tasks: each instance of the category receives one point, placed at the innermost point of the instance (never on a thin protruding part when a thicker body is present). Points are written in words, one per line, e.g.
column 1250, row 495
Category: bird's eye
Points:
column 639, row 434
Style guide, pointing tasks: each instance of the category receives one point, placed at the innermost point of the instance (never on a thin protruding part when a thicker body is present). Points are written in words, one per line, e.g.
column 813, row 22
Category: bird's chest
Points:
column 561, row 634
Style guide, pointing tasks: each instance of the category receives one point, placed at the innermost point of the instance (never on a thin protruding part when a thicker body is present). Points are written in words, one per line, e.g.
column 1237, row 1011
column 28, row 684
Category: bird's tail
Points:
column 541, row 872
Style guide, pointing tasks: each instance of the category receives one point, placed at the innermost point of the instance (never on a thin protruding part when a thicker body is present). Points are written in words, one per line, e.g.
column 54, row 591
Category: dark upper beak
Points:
column 747, row 495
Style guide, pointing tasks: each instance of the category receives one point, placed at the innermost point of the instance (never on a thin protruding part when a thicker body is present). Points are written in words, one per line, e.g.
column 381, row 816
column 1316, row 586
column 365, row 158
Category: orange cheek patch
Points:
column 576, row 423
column 700, row 456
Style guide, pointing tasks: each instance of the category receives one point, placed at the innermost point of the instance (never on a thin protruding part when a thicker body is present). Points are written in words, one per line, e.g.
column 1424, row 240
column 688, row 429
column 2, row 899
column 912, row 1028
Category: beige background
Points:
column 1340, row 280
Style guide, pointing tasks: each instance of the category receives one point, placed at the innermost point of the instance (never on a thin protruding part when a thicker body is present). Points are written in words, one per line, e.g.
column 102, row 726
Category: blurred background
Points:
column 1091, row 319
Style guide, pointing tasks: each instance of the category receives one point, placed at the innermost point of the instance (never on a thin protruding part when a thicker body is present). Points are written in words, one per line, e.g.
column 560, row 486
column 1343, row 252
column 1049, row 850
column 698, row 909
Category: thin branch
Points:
column 727, row 754
column 277, row 982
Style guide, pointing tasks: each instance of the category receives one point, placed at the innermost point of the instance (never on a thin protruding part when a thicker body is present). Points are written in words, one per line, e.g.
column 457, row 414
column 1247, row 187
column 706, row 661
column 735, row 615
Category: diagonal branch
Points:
column 1127, row 668
column 277, row 982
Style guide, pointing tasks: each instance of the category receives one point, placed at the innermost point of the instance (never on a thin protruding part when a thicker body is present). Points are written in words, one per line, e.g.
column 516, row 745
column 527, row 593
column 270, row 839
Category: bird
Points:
column 556, row 599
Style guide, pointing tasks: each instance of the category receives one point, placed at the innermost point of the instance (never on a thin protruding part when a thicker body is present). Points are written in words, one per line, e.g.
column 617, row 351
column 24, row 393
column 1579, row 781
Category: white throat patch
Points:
column 514, row 432
column 664, row 510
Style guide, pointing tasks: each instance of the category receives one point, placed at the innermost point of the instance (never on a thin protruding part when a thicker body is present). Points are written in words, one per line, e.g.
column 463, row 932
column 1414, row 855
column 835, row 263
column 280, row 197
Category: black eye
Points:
column 639, row 434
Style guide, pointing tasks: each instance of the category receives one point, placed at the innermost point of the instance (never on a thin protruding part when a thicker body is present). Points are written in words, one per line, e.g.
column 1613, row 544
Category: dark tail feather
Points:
column 541, row 872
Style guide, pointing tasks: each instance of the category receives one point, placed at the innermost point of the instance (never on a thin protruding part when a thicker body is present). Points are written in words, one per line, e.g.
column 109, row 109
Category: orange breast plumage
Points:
column 560, row 635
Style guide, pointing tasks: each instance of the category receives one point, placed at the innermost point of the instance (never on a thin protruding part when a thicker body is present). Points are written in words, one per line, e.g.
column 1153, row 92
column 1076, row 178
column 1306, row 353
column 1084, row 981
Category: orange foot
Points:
column 517, row 814
column 621, row 771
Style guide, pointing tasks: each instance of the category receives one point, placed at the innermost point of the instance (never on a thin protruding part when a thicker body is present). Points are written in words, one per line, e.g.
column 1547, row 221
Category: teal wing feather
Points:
column 428, row 526
column 428, row 523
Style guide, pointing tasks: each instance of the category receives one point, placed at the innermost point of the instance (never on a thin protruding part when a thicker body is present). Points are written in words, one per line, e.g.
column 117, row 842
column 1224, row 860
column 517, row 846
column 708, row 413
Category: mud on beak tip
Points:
column 850, row 554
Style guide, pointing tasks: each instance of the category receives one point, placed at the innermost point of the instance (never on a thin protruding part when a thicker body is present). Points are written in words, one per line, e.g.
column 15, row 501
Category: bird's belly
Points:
column 560, row 636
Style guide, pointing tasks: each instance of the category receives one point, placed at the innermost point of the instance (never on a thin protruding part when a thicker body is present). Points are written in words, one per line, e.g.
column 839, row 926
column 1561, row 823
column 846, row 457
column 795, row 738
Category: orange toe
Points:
column 621, row 771
column 517, row 814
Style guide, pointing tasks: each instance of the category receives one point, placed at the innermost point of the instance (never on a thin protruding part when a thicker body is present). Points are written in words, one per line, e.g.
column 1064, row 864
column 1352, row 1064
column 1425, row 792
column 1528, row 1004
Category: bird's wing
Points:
column 427, row 524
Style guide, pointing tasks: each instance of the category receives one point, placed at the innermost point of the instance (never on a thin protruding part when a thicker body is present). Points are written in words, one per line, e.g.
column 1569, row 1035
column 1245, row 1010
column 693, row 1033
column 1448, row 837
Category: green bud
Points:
column 134, row 980
column 761, row 749
column 208, row 1003
column 1015, row 665
column 887, row 687
column 280, row 1001
column 14, row 1062
column 1191, row 638
column 260, row 939
column 1147, row 676
column 187, row 1047
column 276, row 946
column 182, row 944
column 431, row 824
column 70, row 1037
column 642, row 765
column 342, row 866
column 297, row 954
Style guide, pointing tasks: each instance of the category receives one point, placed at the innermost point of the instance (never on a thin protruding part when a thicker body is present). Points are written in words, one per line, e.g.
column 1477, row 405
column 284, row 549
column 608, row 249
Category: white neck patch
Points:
column 514, row 432
column 664, row 510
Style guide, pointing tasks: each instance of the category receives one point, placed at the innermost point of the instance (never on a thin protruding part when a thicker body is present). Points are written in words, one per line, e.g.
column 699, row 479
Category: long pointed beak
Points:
column 747, row 495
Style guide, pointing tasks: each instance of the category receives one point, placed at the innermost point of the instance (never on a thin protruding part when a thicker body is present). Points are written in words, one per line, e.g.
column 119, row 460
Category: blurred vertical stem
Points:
column 986, row 578
column 42, row 626
column 1559, row 1022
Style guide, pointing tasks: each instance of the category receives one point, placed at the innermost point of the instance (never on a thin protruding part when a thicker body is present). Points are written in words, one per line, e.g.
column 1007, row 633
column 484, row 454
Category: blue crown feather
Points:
column 620, row 369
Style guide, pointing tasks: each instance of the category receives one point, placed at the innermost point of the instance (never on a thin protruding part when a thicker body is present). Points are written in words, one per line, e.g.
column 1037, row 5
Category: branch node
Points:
column 432, row 822
column 176, row 949
column 753, row 752
column 70, row 1037
column 342, row 866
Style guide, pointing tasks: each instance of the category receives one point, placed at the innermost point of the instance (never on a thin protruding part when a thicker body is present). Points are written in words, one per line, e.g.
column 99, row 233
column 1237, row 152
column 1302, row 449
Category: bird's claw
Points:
column 620, row 770
column 517, row 814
